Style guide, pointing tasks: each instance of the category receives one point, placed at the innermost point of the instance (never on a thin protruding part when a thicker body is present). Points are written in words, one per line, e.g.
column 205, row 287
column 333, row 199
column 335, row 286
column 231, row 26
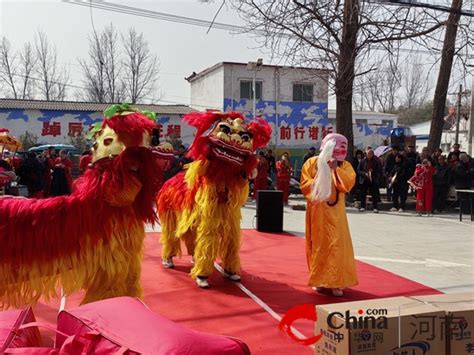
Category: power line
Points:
column 135, row 11
column 414, row 3
column 130, row 10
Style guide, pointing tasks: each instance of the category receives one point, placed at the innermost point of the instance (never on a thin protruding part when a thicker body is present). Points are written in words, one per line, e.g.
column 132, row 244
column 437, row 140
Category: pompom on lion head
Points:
column 227, row 136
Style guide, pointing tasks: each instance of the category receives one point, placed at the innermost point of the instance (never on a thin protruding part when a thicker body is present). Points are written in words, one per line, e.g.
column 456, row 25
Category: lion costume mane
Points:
column 93, row 238
column 201, row 205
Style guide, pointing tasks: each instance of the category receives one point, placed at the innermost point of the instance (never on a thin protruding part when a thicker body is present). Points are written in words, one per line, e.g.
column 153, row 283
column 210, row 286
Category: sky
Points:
column 181, row 49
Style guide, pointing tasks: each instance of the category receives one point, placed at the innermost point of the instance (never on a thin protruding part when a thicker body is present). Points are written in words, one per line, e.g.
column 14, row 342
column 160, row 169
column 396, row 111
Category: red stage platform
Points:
column 274, row 279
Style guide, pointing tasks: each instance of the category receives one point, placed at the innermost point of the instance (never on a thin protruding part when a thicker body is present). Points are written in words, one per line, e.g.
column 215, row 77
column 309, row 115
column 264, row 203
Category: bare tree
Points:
column 414, row 84
column 377, row 90
column 335, row 36
column 8, row 67
column 53, row 80
column 27, row 69
column 102, row 71
column 442, row 85
column 140, row 67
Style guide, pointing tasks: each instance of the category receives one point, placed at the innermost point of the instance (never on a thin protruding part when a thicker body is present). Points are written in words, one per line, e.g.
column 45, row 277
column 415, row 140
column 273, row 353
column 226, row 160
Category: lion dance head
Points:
column 227, row 138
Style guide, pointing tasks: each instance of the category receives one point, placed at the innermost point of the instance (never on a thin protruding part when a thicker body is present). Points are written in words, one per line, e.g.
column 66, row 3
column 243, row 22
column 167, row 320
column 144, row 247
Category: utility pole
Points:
column 255, row 66
column 471, row 122
column 458, row 115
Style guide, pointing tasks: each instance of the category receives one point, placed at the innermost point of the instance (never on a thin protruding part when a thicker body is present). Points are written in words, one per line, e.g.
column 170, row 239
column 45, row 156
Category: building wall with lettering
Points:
column 55, row 126
column 295, row 125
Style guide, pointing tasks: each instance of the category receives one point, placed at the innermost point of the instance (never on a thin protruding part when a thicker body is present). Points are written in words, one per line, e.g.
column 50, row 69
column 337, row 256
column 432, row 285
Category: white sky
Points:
column 180, row 48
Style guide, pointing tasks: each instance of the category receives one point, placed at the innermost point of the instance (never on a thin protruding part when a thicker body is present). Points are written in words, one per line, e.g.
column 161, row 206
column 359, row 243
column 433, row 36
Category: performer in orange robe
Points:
column 324, row 181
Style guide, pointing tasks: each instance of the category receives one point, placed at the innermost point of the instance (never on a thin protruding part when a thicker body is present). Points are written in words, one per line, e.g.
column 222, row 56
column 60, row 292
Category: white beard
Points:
column 321, row 188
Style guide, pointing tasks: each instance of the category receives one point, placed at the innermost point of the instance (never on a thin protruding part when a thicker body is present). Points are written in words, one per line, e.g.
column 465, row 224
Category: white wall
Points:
column 274, row 78
column 208, row 91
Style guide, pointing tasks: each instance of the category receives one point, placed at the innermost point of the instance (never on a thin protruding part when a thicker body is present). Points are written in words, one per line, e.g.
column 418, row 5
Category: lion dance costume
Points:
column 93, row 238
column 201, row 206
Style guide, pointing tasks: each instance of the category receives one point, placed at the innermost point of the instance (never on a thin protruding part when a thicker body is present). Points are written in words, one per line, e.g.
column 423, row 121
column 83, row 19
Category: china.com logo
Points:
column 369, row 319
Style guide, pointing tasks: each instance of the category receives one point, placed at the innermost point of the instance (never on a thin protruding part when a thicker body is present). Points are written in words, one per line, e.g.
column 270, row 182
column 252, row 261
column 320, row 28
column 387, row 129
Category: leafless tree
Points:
column 53, row 80
column 448, row 55
column 378, row 90
column 102, row 70
column 8, row 68
column 334, row 35
column 414, row 83
column 27, row 70
column 140, row 67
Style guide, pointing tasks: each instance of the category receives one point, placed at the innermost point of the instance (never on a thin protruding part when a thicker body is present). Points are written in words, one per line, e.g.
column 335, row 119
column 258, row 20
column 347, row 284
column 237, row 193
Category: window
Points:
column 303, row 92
column 246, row 91
column 387, row 123
column 360, row 121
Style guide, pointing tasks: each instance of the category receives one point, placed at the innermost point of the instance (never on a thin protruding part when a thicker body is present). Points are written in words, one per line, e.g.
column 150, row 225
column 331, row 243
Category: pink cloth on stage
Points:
column 126, row 325
column 11, row 336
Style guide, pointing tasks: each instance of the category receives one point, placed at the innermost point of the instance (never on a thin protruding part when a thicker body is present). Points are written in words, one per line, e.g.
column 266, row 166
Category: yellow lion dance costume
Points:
column 201, row 206
column 93, row 238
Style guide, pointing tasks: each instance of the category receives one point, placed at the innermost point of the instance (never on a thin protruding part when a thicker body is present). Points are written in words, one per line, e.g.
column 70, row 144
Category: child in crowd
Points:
column 422, row 182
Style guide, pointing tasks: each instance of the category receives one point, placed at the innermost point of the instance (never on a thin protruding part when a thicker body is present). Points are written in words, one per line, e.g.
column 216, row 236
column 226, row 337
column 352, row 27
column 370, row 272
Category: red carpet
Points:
column 274, row 269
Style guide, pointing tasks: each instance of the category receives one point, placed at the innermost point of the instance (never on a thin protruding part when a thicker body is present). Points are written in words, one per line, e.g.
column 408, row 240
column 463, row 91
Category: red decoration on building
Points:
column 327, row 130
column 313, row 133
column 159, row 127
column 285, row 133
column 51, row 129
column 174, row 131
column 299, row 131
column 75, row 129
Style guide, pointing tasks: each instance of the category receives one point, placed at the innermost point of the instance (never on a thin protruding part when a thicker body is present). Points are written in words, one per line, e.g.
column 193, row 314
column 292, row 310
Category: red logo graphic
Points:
column 303, row 311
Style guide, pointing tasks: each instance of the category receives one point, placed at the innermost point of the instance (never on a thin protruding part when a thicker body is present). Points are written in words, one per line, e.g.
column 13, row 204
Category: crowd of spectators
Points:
column 49, row 174
column 431, row 177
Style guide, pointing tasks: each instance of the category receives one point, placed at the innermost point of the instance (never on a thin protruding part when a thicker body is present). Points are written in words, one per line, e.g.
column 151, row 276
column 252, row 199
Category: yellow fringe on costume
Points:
column 209, row 224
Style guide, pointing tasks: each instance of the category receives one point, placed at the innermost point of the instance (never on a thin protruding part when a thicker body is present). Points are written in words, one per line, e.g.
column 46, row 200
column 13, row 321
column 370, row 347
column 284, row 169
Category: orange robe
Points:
column 329, row 250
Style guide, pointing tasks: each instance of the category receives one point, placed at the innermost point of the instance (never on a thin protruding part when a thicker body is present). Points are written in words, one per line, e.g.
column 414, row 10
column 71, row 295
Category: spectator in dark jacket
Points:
column 355, row 192
column 311, row 153
column 398, row 179
column 370, row 173
column 463, row 175
column 388, row 167
column 31, row 173
column 453, row 157
column 441, row 182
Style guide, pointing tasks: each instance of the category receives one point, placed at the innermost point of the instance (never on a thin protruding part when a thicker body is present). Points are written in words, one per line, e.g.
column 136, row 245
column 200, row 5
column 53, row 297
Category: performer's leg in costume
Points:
column 171, row 244
column 230, row 247
column 205, row 253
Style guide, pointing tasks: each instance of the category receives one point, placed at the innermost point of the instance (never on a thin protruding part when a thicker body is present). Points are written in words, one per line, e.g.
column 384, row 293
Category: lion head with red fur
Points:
column 228, row 138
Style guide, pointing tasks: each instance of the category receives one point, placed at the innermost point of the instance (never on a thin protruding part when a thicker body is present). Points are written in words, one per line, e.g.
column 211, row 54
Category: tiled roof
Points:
column 88, row 106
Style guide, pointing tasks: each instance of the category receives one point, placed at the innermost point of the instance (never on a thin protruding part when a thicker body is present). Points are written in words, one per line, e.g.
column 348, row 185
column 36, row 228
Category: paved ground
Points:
column 436, row 251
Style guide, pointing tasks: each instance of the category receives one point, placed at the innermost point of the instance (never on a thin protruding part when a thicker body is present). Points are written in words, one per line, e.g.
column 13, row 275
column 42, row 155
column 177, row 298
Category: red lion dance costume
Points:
column 202, row 205
column 93, row 238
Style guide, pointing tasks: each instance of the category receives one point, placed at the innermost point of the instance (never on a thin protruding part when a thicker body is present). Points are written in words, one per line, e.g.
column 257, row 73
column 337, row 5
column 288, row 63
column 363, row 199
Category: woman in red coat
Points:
column 283, row 168
column 260, row 182
column 422, row 182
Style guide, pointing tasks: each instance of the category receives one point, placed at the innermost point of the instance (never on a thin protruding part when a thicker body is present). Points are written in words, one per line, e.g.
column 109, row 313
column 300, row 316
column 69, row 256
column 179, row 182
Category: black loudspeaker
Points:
column 270, row 211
